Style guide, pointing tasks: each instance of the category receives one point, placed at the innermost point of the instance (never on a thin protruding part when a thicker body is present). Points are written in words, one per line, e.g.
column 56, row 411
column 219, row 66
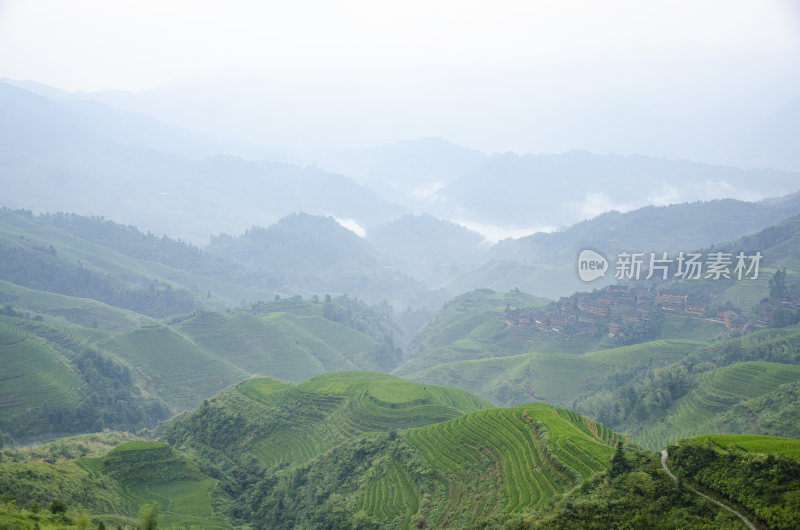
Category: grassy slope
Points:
column 775, row 413
column 280, row 344
column 684, row 327
column 712, row 395
column 470, row 326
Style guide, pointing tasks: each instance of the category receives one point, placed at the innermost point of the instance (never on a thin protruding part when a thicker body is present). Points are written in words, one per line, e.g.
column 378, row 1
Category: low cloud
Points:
column 353, row 226
column 493, row 233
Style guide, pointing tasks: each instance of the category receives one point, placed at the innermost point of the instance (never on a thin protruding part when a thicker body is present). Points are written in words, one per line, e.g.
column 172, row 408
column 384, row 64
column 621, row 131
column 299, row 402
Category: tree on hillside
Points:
column 148, row 517
column 777, row 285
column 619, row 463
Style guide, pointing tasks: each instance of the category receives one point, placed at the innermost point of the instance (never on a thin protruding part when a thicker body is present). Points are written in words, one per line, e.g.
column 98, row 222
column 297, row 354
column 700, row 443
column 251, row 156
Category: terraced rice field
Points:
column 684, row 327
column 334, row 407
column 117, row 484
column 746, row 294
column 33, row 373
column 279, row 344
column 662, row 351
column 263, row 389
column 82, row 311
column 181, row 503
column 511, row 459
column 713, row 393
column 152, row 472
column 182, row 372
column 391, row 495
column 555, row 378
column 468, row 327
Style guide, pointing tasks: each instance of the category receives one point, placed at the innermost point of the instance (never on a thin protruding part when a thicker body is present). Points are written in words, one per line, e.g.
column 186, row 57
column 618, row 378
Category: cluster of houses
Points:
column 607, row 310
column 588, row 313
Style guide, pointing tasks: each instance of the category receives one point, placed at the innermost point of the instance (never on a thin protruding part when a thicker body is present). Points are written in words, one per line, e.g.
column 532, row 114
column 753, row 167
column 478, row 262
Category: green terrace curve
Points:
column 511, row 459
column 284, row 425
column 713, row 394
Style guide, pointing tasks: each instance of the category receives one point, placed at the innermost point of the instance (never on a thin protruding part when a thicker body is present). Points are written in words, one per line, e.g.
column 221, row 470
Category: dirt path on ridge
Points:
column 665, row 455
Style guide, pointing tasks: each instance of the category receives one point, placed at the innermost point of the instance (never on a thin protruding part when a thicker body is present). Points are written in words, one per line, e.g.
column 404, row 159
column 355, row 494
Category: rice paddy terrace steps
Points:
column 558, row 378
column 34, row 373
column 535, row 450
column 712, row 396
column 285, row 425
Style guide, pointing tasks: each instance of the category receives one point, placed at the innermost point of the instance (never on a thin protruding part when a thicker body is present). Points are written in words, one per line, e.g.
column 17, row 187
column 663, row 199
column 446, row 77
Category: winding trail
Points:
column 665, row 455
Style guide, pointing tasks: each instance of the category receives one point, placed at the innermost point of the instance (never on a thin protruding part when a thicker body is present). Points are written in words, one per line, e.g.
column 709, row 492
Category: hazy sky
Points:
column 99, row 45
column 531, row 76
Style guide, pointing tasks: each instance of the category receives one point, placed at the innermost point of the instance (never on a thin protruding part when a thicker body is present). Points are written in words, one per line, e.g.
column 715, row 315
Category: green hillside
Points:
column 203, row 353
column 535, row 450
column 759, row 444
column 97, row 258
column 470, row 326
column 34, row 373
column 754, row 474
column 307, row 254
column 775, row 413
column 113, row 485
column 280, row 344
column 54, row 374
column 84, row 312
column 473, row 468
column 474, row 326
column 283, row 424
column 173, row 365
column 778, row 243
column 545, row 279
column 712, row 395
column 38, row 256
column 558, row 379
column 362, row 449
column 53, row 383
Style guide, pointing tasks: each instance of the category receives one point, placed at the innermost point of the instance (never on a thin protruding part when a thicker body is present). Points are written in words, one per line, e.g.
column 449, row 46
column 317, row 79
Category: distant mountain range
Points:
column 84, row 157
column 69, row 152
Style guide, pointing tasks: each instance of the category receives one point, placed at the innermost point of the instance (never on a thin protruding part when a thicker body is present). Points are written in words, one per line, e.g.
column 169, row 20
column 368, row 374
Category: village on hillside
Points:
column 624, row 310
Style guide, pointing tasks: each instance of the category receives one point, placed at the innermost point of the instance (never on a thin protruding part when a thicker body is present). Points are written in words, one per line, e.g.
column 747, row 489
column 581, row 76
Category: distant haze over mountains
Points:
column 68, row 152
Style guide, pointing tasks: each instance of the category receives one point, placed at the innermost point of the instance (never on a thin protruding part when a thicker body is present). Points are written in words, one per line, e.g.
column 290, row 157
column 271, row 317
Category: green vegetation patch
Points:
column 753, row 443
column 766, row 487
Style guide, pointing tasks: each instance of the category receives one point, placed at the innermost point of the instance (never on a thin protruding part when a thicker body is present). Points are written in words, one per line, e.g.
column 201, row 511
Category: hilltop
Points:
column 282, row 424
column 434, row 249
